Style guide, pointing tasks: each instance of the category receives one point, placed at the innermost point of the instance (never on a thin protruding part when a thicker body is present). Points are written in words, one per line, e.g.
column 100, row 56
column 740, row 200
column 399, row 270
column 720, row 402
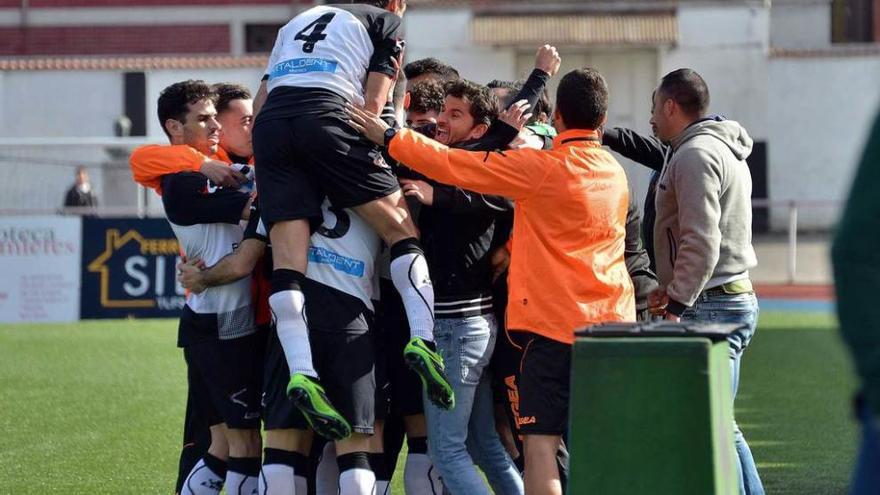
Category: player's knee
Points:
column 415, row 426
column 244, row 443
column 290, row 440
column 540, row 449
column 357, row 442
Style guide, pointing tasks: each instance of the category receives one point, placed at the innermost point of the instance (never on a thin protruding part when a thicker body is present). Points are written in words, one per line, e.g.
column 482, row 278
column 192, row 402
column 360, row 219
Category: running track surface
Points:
column 799, row 298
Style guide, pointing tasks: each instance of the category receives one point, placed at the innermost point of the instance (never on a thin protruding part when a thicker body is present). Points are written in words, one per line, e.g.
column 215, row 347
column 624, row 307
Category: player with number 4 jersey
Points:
column 325, row 59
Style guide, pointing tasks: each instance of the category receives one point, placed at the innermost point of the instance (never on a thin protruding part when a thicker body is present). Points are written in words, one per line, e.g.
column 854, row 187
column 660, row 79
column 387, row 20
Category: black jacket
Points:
column 75, row 197
column 638, row 264
column 652, row 153
column 459, row 229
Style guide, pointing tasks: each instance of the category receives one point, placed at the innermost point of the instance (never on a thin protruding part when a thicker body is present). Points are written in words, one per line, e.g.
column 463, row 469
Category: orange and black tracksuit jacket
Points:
column 567, row 267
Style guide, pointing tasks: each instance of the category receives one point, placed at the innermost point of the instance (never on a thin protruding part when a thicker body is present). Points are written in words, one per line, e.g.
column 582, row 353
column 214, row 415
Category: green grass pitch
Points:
column 97, row 407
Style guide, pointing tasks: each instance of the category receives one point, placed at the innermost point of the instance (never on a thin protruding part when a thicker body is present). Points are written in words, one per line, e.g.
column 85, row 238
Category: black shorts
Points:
column 404, row 386
column 544, row 384
column 345, row 361
column 299, row 159
column 225, row 378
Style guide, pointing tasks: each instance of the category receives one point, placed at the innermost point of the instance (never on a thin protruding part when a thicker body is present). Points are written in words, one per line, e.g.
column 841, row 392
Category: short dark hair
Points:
column 686, row 88
column 582, row 99
column 484, row 105
column 426, row 96
column 430, row 65
column 174, row 100
column 226, row 92
column 512, row 88
column 543, row 104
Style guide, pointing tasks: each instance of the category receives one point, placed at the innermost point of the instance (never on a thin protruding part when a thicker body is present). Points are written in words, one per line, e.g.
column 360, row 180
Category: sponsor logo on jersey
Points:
column 526, row 420
column 338, row 262
column 379, row 160
column 302, row 66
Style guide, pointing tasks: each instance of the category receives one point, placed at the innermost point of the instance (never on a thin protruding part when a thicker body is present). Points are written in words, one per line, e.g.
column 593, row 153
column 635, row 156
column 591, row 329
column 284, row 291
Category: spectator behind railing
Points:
column 80, row 193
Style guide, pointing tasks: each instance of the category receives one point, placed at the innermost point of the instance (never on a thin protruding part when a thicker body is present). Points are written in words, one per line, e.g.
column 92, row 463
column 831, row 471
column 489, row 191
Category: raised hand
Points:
column 548, row 60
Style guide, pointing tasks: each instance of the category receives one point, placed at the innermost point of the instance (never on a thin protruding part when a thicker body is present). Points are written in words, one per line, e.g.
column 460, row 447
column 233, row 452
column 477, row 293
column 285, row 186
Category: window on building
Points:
column 260, row 38
column 853, row 21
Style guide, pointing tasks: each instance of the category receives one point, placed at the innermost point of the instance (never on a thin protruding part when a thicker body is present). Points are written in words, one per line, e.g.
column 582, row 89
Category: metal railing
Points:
column 792, row 225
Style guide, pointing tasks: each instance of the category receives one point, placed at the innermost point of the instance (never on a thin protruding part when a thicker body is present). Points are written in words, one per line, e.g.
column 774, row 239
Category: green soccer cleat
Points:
column 427, row 363
column 309, row 397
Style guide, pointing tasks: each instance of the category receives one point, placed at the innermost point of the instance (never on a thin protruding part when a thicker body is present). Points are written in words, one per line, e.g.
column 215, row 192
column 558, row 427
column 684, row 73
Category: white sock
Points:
column 356, row 477
column 242, row 476
column 383, row 487
column 357, row 482
column 277, row 479
column 419, row 475
column 202, row 480
column 293, row 333
column 279, row 473
column 241, row 484
column 327, row 476
column 302, row 485
column 409, row 273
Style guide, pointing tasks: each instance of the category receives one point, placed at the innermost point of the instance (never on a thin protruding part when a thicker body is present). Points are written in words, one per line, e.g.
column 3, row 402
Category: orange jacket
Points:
column 567, row 269
column 150, row 162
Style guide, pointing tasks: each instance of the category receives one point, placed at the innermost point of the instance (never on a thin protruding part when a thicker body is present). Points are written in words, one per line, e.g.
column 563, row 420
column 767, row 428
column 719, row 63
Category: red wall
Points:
column 140, row 3
column 103, row 40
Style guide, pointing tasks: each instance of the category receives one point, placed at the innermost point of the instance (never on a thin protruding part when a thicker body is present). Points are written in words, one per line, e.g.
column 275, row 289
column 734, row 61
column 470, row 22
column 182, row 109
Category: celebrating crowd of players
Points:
column 373, row 256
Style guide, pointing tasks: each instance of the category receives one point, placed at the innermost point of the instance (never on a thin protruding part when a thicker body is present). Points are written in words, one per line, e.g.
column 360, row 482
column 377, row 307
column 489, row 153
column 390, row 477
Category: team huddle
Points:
column 377, row 252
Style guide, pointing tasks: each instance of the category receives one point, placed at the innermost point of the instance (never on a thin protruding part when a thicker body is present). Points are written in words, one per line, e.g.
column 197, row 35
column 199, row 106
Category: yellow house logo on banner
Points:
column 128, row 269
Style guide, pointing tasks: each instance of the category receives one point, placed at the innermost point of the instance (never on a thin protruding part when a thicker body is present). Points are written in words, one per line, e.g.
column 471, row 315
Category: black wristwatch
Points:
column 389, row 135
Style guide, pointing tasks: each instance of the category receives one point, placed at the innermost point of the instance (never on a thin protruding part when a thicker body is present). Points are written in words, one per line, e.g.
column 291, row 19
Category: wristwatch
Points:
column 389, row 135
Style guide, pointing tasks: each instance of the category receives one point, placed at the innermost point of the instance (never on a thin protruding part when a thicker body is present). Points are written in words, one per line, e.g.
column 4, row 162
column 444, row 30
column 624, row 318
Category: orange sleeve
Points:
column 513, row 174
column 149, row 163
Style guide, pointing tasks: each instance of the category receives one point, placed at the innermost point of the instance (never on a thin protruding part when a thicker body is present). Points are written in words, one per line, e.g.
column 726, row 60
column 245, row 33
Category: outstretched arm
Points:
column 149, row 163
column 646, row 150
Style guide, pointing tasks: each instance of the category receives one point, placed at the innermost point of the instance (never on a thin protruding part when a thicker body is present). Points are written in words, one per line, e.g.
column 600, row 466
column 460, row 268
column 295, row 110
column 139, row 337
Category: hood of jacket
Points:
column 729, row 132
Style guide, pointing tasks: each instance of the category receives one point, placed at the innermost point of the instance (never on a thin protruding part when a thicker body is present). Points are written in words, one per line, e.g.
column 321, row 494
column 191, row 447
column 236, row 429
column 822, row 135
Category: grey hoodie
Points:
column 703, row 231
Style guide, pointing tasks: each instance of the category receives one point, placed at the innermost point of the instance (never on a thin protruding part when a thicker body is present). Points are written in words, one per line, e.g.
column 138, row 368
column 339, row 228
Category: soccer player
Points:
column 323, row 59
column 149, row 163
column 567, row 266
column 340, row 288
column 217, row 327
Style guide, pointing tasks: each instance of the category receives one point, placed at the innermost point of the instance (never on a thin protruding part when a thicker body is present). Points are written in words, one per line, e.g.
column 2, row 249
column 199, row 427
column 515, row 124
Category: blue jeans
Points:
column 458, row 438
column 866, row 479
column 739, row 308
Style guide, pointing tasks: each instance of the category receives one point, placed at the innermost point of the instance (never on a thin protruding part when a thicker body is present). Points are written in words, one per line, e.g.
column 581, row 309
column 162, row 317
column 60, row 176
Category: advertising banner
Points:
column 128, row 269
column 39, row 268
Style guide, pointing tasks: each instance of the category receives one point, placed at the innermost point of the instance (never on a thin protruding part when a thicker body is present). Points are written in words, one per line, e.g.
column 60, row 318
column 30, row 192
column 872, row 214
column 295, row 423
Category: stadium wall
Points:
column 729, row 44
column 817, row 133
column 66, row 268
